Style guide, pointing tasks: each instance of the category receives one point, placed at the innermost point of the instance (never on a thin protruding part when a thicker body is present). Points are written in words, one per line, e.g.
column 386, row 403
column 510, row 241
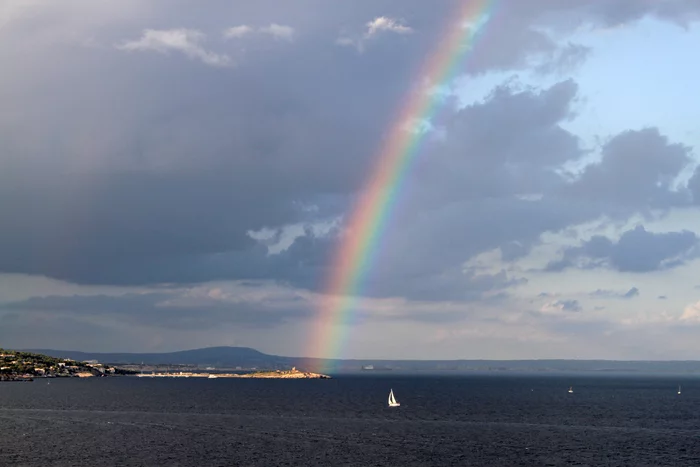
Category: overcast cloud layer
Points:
column 186, row 173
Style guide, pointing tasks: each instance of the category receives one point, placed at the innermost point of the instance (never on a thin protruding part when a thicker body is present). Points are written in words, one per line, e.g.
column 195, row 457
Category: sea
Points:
column 443, row 420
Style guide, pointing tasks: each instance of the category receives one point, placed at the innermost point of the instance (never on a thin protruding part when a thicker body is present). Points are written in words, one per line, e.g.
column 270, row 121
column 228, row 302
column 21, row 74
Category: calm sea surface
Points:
column 443, row 420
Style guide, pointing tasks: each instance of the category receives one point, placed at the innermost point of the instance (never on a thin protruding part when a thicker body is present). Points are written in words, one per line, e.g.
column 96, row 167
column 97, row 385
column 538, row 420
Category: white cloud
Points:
column 278, row 31
column 238, row 31
column 376, row 26
column 181, row 40
column 691, row 313
column 383, row 23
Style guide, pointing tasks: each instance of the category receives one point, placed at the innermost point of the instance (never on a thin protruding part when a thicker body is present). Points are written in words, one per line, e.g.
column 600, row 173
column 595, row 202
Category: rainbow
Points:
column 368, row 219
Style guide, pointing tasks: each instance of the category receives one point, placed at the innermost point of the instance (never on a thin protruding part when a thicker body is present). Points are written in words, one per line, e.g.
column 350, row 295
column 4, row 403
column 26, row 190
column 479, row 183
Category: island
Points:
column 25, row 366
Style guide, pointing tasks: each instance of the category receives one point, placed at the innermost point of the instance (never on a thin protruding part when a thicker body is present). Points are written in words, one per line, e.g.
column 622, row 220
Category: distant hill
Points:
column 245, row 357
column 211, row 356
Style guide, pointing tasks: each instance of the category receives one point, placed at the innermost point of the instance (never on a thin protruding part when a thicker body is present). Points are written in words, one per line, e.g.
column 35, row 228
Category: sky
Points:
column 175, row 177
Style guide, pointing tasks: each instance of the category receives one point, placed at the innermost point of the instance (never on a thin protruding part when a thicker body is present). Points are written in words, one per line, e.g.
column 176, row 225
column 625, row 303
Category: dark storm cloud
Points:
column 187, row 226
column 165, row 310
column 637, row 172
column 465, row 191
column 447, row 284
column 636, row 251
column 506, row 145
column 27, row 330
column 136, row 167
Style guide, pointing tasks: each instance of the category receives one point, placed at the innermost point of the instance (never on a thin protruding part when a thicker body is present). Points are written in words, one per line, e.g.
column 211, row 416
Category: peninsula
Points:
column 25, row 366
column 275, row 374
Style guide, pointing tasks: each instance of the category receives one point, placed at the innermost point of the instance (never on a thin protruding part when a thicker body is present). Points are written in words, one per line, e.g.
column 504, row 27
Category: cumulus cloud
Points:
column 377, row 26
column 637, row 250
column 638, row 170
column 185, row 41
column 385, row 24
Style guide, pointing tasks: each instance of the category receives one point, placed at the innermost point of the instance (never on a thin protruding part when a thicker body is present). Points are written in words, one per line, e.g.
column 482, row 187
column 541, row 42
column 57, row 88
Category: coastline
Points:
column 276, row 374
column 16, row 379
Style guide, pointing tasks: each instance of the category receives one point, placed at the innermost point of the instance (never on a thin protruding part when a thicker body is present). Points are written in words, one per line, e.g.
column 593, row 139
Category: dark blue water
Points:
column 469, row 420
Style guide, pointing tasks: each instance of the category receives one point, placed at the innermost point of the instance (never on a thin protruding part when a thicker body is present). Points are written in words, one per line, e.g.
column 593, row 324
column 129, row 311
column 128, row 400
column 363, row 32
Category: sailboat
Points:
column 392, row 399
column 679, row 389
column 571, row 389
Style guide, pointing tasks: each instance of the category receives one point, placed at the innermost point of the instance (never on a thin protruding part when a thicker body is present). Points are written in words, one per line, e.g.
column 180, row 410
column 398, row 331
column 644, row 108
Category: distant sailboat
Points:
column 679, row 389
column 571, row 389
column 392, row 399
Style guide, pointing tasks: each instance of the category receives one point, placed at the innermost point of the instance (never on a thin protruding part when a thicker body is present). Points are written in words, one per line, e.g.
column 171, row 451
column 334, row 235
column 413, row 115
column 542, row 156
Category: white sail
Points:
column 679, row 389
column 392, row 399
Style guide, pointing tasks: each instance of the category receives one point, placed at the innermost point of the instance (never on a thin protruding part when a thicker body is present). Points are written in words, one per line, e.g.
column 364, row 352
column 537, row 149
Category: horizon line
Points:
column 362, row 359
